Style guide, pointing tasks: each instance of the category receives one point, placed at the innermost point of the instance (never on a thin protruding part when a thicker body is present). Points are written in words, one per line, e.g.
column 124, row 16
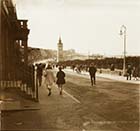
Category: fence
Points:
column 25, row 80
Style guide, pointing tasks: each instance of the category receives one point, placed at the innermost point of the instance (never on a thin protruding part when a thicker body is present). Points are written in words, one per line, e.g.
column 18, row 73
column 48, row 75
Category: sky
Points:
column 88, row 26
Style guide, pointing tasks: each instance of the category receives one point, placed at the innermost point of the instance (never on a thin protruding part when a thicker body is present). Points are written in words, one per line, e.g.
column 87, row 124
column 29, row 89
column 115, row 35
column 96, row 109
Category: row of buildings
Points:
column 13, row 38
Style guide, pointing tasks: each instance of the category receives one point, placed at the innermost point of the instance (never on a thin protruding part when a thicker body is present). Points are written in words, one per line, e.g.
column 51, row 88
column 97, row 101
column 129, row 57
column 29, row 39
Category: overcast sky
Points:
column 85, row 25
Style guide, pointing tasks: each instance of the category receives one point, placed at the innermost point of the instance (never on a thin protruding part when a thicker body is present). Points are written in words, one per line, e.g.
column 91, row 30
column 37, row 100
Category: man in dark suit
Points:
column 129, row 72
column 92, row 72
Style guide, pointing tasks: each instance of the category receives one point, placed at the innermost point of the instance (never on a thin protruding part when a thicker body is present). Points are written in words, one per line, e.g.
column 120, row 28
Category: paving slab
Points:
column 12, row 99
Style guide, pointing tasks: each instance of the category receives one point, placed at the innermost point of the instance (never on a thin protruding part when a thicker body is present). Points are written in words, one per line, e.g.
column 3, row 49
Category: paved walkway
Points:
column 12, row 99
column 55, row 111
column 43, row 92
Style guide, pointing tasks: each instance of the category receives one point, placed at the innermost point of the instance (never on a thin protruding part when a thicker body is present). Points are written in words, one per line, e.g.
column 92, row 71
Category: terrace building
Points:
column 13, row 42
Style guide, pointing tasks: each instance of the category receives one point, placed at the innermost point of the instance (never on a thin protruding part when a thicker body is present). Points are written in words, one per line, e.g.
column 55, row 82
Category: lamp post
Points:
column 123, row 32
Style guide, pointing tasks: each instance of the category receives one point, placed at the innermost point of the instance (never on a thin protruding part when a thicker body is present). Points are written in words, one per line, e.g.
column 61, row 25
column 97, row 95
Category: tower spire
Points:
column 60, row 39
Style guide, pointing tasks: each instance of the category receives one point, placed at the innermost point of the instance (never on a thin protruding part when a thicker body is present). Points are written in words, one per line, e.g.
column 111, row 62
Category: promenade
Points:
column 14, row 99
column 80, row 108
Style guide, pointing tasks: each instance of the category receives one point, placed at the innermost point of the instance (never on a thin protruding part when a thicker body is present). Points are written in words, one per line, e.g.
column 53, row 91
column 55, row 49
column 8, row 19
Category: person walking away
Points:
column 135, row 73
column 60, row 79
column 39, row 73
column 129, row 72
column 92, row 73
column 49, row 78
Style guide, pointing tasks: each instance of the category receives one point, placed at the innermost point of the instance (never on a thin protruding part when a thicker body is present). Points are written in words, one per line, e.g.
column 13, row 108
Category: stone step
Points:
column 10, row 105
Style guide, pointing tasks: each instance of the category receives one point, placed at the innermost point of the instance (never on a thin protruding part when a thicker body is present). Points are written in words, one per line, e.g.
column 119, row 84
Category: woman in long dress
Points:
column 49, row 78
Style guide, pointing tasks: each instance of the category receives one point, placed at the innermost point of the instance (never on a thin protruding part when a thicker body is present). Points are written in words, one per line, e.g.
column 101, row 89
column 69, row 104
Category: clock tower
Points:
column 60, row 50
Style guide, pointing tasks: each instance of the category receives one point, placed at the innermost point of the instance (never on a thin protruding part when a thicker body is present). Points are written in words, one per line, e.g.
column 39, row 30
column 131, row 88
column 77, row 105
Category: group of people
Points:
column 50, row 79
column 132, row 72
column 59, row 79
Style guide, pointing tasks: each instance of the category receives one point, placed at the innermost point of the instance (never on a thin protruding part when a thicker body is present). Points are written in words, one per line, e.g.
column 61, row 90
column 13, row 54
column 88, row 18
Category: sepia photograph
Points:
column 69, row 65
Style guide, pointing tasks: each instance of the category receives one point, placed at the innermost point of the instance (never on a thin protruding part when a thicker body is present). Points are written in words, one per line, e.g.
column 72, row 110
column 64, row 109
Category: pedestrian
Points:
column 39, row 73
column 73, row 67
column 129, row 72
column 60, row 79
column 49, row 78
column 92, row 73
column 135, row 73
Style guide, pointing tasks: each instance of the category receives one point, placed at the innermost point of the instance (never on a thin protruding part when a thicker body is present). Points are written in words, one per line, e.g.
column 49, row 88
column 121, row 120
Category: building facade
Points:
column 13, row 41
column 60, row 51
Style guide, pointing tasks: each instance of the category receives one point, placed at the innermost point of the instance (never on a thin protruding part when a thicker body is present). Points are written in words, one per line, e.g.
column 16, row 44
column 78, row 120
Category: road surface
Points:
column 109, row 106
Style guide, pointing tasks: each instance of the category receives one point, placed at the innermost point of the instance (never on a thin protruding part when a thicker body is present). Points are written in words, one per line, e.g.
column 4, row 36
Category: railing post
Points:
column 36, row 85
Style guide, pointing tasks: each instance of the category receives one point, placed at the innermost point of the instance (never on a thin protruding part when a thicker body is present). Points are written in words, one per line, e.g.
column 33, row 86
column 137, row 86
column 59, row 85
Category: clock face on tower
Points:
column 60, row 48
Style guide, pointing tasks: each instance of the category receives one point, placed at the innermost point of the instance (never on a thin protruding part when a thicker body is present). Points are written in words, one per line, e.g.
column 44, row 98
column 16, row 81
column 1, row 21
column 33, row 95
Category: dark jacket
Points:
column 129, row 70
column 92, row 70
column 60, row 77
